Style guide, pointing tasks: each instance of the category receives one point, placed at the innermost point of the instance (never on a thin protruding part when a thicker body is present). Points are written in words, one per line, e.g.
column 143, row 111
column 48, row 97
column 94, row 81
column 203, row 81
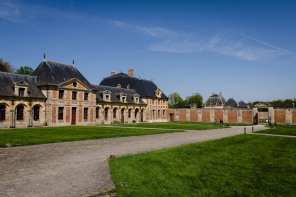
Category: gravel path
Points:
column 81, row 168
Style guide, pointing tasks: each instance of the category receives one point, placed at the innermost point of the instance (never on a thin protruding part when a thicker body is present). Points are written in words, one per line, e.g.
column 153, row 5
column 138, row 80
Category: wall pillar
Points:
column 239, row 116
column 212, row 116
column 288, row 116
column 271, row 114
column 199, row 115
column 12, row 115
column 225, row 116
column 188, row 115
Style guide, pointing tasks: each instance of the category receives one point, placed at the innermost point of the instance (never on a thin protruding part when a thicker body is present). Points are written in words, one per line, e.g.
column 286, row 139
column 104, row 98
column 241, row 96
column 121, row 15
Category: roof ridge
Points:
column 59, row 63
column 17, row 74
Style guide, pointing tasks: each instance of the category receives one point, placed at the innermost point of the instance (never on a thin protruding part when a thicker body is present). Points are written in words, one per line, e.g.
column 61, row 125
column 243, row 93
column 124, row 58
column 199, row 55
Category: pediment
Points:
column 21, row 83
column 74, row 84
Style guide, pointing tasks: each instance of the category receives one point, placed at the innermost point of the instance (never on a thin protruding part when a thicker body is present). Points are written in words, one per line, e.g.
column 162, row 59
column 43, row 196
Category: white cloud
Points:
column 9, row 11
column 227, row 43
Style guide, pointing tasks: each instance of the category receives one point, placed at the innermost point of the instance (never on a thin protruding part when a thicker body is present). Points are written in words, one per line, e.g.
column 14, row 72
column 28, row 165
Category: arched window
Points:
column 20, row 112
column 106, row 113
column 136, row 113
column 114, row 112
column 2, row 112
column 129, row 113
column 36, row 110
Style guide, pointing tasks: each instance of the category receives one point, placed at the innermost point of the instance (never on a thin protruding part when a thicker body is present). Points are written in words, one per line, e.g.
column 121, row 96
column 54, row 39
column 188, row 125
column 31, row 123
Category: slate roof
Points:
column 242, row 104
column 230, row 103
column 115, row 94
column 250, row 105
column 55, row 73
column 8, row 80
column 215, row 100
column 145, row 88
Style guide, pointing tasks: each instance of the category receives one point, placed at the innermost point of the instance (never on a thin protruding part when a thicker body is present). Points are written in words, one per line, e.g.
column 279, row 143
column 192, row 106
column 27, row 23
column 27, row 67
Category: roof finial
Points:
column 121, row 70
column 44, row 55
column 73, row 61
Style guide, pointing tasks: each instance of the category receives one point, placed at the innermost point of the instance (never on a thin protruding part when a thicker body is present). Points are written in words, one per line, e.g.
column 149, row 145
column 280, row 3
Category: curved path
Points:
column 81, row 168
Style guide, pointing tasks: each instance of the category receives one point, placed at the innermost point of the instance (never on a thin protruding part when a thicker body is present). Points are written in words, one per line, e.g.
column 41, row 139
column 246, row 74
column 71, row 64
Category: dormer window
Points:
column 21, row 91
column 107, row 95
column 123, row 99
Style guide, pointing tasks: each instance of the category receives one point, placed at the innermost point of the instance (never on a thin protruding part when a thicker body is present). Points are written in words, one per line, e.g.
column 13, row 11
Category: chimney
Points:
column 128, row 86
column 119, row 85
column 131, row 72
column 220, row 93
column 112, row 73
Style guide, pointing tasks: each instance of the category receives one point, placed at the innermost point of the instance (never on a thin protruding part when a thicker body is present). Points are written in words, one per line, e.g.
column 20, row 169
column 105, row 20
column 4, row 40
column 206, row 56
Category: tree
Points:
column 25, row 70
column 5, row 66
column 195, row 99
column 175, row 101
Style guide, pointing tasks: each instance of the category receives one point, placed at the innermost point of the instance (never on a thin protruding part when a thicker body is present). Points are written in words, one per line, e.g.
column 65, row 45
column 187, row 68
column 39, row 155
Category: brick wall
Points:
column 280, row 116
column 194, row 115
column 247, row 117
column 293, row 116
column 182, row 115
column 67, row 114
column 218, row 115
column 232, row 116
column 54, row 112
column 206, row 117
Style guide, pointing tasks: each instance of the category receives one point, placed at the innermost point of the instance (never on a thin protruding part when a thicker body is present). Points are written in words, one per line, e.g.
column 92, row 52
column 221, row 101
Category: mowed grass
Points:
column 31, row 136
column 174, row 125
column 280, row 130
column 244, row 165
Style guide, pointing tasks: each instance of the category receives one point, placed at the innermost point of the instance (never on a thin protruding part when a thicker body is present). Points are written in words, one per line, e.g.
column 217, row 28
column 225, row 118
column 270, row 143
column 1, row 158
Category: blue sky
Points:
column 244, row 49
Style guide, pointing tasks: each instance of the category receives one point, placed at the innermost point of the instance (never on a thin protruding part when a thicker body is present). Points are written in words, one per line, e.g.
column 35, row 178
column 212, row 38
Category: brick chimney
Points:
column 220, row 93
column 112, row 73
column 131, row 72
column 128, row 86
column 119, row 85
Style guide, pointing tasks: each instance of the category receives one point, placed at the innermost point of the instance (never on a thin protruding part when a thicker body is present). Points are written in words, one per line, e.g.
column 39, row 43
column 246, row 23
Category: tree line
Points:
column 7, row 67
column 176, row 101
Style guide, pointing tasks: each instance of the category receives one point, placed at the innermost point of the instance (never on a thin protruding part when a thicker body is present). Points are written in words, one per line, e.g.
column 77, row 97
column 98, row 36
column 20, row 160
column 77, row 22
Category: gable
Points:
column 74, row 84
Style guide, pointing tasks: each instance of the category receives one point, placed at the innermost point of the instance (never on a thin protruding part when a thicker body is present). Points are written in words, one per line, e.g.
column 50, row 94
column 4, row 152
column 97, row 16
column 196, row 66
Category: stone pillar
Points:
column 288, row 116
column 239, row 116
column 200, row 115
column 12, row 115
column 225, row 116
column 271, row 114
column 177, row 115
column 188, row 115
column 212, row 116
column 30, row 113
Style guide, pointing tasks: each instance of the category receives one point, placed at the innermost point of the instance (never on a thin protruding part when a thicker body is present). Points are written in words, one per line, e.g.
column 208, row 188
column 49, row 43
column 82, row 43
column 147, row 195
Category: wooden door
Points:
column 73, row 116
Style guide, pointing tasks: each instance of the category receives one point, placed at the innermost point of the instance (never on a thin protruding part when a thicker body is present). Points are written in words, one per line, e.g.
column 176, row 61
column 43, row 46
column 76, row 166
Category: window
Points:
column 20, row 112
column 97, row 113
column 74, row 95
column 61, row 113
column 86, row 96
column 137, row 100
column 153, row 101
column 74, row 84
column 107, row 97
column 158, row 115
column 123, row 99
column 158, row 102
column 61, row 94
column 85, row 115
column 106, row 113
column 129, row 113
column 36, row 110
column 163, row 114
column 153, row 114
column 2, row 112
column 114, row 113
column 21, row 91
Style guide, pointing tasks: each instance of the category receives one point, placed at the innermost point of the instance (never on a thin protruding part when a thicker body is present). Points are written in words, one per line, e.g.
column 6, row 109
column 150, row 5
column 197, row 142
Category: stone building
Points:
column 57, row 94
column 215, row 101
column 156, row 100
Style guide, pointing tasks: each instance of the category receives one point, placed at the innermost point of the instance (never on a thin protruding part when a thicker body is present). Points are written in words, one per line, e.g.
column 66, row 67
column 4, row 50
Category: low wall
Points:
column 210, row 115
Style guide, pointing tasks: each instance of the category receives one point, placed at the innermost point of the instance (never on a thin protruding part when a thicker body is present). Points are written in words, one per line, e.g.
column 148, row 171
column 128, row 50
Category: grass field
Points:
column 280, row 130
column 244, row 165
column 21, row 137
column 174, row 125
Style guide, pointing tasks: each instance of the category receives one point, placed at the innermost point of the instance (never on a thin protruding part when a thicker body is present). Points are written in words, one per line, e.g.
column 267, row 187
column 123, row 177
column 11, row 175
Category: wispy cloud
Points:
column 227, row 43
column 9, row 11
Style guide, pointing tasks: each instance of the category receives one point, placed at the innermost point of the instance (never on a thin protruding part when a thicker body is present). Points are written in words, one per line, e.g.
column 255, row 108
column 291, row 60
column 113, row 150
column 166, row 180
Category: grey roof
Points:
column 115, row 94
column 242, row 104
column 250, row 105
column 55, row 73
column 8, row 80
column 230, row 103
column 215, row 100
column 145, row 88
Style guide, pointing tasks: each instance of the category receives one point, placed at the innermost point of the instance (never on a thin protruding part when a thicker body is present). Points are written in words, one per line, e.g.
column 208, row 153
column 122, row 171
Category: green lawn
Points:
column 174, row 125
column 244, row 165
column 30, row 136
column 280, row 130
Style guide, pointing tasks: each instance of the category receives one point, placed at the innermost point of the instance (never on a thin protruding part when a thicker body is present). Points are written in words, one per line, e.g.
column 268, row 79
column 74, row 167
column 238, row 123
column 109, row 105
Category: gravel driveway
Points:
column 81, row 168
